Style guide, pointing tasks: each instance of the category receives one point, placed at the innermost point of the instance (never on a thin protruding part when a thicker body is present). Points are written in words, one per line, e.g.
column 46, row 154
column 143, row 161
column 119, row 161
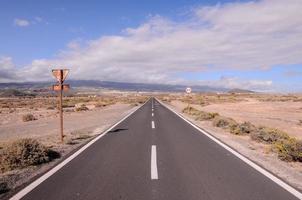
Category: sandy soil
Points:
column 285, row 116
column 257, row 152
column 12, row 126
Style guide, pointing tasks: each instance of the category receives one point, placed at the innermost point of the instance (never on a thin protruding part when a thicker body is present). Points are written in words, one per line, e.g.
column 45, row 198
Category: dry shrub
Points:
column 23, row 153
column 191, row 111
column 166, row 99
column 83, row 107
column 224, row 122
column 50, row 108
column 102, row 104
column 269, row 135
column 289, row 150
column 206, row 116
column 134, row 104
column 243, row 128
column 28, row 117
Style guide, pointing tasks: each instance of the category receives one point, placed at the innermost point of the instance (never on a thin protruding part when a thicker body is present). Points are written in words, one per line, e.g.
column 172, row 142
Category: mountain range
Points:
column 144, row 87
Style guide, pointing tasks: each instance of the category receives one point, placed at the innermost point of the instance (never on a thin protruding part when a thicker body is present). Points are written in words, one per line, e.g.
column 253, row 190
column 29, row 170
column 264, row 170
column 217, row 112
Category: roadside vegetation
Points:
column 23, row 153
column 20, row 154
column 286, row 147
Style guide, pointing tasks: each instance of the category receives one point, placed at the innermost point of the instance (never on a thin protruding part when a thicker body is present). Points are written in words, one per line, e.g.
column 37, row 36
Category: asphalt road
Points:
column 160, row 160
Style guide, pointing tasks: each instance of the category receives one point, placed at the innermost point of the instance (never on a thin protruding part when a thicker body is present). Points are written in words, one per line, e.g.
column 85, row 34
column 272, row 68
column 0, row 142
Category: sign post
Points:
column 188, row 92
column 60, row 75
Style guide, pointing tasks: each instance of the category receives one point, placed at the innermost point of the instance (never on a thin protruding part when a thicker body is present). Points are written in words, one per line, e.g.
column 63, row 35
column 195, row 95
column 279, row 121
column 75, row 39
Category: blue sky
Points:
column 63, row 21
column 220, row 43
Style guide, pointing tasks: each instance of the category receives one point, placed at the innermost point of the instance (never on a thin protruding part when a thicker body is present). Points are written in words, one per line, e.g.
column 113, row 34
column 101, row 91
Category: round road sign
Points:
column 188, row 90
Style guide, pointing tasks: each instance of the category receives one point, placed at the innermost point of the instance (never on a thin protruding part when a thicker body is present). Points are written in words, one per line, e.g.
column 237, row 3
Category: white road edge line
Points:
column 37, row 182
column 263, row 171
column 154, row 173
column 153, row 125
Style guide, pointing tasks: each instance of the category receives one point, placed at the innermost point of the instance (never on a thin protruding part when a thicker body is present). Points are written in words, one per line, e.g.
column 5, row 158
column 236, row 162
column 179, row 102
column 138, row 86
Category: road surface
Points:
column 155, row 155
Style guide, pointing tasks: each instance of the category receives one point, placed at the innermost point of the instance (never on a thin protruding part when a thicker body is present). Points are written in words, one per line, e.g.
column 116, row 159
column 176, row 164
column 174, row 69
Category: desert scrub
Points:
column 191, row 111
column 50, row 108
column 243, row 128
column 269, row 135
column 82, row 108
column 224, row 122
column 289, row 150
column 23, row 153
column 206, row 116
column 28, row 117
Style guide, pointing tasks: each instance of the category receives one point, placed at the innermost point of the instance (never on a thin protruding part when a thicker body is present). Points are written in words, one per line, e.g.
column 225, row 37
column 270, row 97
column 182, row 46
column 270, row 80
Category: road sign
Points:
column 59, row 87
column 60, row 74
column 188, row 90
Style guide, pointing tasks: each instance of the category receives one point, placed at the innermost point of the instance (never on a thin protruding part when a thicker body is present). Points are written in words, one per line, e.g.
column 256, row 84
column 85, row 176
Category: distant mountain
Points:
column 113, row 85
column 242, row 91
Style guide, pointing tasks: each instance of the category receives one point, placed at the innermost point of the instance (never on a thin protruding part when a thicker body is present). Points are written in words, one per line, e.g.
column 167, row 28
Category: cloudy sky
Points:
column 253, row 45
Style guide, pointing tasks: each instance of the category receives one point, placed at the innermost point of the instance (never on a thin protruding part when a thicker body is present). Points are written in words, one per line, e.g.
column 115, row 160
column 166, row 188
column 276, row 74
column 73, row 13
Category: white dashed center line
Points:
column 154, row 173
column 152, row 124
column 152, row 114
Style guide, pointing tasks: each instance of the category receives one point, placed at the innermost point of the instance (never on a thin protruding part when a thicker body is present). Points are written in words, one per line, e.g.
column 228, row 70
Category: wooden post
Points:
column 61, row 106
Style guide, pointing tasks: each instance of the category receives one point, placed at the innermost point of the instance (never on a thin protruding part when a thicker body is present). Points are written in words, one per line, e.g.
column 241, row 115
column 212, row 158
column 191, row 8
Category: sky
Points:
column 255, row 45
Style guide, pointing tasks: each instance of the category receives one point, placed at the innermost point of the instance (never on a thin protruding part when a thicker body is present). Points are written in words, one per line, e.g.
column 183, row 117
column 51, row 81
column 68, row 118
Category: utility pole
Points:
column 60, row 75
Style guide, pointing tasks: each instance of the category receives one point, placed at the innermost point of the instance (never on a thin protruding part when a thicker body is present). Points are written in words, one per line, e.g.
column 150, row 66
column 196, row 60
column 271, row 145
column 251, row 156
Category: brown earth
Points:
column 285, row 116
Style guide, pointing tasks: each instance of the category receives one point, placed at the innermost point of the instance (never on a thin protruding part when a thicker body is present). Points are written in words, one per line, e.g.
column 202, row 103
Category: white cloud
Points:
column 236, row 82
column 7, row 69
column 21, row 22
column 239, row 36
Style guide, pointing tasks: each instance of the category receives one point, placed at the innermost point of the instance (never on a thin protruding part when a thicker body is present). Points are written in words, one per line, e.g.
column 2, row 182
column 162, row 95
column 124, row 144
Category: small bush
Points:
column 134, row 104
column 28, row 117
column 101, row 104
column 224, row 122
column 83, row 137
column 3, row 187
column 206, row 116
column 50, row 108
column 191, row 111
column 242, row 129
column 23, row 153
column 269, row 135
column 300, row 122
column 289, row 150
column 82, row 108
